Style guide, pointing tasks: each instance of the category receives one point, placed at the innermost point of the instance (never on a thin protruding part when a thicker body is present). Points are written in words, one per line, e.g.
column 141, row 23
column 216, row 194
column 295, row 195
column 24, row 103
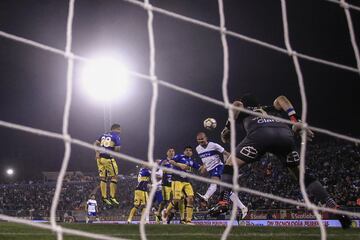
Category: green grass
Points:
column 12, row 231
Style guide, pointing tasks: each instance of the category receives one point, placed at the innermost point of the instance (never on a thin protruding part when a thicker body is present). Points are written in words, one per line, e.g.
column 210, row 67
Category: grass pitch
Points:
column 12, row 231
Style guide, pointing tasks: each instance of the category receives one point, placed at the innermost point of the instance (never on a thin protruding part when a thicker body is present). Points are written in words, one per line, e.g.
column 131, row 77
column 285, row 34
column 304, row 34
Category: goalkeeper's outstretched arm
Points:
column 284, row 104
column 225, row 133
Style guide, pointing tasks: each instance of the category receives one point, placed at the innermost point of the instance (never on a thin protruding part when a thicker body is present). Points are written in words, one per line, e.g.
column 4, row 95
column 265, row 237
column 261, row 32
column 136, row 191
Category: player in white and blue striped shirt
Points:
column 91, row 208
column 210, row 154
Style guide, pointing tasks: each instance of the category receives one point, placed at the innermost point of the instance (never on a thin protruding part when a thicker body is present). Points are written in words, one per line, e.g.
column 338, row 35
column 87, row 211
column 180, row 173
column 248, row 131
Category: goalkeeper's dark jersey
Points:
column 263, row 135
column 250, row 122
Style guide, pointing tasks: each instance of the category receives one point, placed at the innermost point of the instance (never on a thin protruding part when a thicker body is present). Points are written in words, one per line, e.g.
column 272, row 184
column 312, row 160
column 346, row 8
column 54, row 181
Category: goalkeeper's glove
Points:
column 225, row 135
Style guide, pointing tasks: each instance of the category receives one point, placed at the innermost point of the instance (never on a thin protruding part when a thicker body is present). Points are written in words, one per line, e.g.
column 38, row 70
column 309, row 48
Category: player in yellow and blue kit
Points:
column 141, row 192
column 165, row 181
column 181, row 187
column 106, row 163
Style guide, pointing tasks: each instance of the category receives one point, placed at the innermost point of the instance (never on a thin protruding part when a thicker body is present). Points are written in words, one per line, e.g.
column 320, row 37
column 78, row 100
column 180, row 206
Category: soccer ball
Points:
column 210, row 123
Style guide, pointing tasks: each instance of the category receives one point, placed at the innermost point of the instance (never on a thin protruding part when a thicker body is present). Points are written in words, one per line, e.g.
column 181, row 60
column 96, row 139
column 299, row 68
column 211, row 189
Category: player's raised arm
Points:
column 179, row 165
column 239, row 105
column 225, row 133
column 284, row 104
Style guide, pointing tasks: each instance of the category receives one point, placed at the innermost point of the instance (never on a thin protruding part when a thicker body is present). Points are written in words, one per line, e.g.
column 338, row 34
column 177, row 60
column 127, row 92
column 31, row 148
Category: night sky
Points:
column 32, row 83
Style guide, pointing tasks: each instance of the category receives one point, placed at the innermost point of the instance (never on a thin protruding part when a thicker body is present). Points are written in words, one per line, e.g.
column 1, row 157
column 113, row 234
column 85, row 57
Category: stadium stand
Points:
column 333, row 162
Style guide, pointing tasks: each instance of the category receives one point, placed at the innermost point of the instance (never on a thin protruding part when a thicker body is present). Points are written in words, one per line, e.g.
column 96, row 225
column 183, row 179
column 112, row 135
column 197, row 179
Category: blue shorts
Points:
column 92, row 214
column 158, row 196
column 216, row 171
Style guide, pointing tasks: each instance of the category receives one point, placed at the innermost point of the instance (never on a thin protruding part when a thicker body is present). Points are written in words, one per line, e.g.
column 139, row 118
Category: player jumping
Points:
column 106, row 163
column 263, row 135
column 210, row 152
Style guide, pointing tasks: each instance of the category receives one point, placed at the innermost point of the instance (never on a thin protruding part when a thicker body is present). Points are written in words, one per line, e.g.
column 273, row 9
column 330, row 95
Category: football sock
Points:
column 182, row 209
column 210, row 191
column 132, row 213
column 103, row 188
column 113, row 185
column 236, row 199
column 189, row 213
column 227, row 177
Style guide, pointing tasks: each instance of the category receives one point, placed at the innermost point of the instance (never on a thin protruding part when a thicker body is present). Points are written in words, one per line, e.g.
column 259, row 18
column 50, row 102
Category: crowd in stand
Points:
column 335, row 164
column 35, row 198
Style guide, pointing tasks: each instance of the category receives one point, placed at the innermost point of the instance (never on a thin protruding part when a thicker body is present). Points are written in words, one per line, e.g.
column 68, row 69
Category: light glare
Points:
column 105, row 80
column 10, row 171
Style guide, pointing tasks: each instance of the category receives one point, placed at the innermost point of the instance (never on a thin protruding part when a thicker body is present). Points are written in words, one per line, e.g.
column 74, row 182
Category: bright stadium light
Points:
column 105, row 79
column 9, row 171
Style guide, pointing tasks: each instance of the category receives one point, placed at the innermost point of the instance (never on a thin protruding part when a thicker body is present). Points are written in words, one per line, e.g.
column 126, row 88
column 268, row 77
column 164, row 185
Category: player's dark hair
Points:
column 249, row 100
column 188, row 146
column 92, row 195
column 115, row 126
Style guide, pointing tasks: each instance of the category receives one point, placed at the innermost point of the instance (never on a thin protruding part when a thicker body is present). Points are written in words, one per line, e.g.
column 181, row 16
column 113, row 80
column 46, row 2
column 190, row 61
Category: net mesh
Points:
column 224, row 33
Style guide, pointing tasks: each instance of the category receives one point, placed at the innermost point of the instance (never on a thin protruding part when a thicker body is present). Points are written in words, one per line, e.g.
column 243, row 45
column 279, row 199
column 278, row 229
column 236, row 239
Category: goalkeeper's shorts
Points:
column 107, row 167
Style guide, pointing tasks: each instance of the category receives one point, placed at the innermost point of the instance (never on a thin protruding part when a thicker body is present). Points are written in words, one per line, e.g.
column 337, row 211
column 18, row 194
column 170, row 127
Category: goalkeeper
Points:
column 263, row 135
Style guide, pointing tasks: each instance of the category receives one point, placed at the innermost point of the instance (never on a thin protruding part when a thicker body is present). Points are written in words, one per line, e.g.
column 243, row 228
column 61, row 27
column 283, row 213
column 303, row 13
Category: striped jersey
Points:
column 166, row 176
column 109, row 141
column 91, row 205
column 210, row 155
column 182, row 159
column 143, row 179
